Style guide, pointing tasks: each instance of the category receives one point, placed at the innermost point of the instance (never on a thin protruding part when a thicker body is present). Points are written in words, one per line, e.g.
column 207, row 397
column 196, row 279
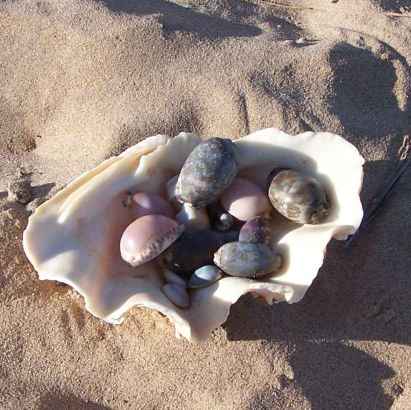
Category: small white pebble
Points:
column 172, row 277
column 177, row 295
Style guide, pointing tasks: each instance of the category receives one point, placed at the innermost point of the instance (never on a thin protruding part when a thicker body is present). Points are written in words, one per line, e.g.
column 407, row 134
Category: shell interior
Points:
column 74, row 237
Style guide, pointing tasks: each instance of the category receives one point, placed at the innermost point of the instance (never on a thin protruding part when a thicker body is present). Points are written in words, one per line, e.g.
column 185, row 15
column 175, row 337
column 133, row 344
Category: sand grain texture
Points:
column 82, row 80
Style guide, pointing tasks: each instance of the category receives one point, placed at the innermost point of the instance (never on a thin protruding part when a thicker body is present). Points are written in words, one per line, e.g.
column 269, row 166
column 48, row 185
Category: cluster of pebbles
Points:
column 215, row 223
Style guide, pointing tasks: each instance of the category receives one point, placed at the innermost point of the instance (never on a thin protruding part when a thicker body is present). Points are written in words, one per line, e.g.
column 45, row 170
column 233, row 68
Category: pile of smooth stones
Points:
column 216, row 223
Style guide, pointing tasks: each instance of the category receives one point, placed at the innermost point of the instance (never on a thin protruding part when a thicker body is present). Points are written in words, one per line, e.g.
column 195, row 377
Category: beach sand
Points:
column 81, row 81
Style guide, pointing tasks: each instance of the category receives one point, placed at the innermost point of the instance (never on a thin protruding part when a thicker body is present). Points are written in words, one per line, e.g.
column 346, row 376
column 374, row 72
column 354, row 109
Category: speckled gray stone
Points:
column 19, row 190
column 299, row 197
column 209, row 169
column 247, row 260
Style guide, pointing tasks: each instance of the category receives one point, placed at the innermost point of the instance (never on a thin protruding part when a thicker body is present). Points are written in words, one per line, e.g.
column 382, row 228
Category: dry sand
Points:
column 82, row 80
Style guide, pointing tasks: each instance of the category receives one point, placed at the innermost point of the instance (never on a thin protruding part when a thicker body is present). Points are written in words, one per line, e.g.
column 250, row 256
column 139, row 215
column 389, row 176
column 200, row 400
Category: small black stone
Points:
column 195, row 249
column 221, row 220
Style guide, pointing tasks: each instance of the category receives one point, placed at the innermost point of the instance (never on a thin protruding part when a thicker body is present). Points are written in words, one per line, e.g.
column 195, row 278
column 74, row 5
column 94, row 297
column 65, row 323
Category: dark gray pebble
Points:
column 195, row 249
column 247, row 260
column 209, row 169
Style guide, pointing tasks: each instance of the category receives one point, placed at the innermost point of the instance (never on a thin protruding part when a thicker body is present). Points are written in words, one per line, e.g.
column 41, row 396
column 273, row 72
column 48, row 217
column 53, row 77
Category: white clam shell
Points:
column 74, row 237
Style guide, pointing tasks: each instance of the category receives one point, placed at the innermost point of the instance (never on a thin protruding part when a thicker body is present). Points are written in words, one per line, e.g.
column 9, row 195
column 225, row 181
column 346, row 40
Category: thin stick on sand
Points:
column 392, row 14
column 288, row 6
column 293, row 6
column 386, row 190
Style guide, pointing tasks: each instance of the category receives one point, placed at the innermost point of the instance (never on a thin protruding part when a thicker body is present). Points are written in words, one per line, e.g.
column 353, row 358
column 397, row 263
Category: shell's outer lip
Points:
column 52, row 245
